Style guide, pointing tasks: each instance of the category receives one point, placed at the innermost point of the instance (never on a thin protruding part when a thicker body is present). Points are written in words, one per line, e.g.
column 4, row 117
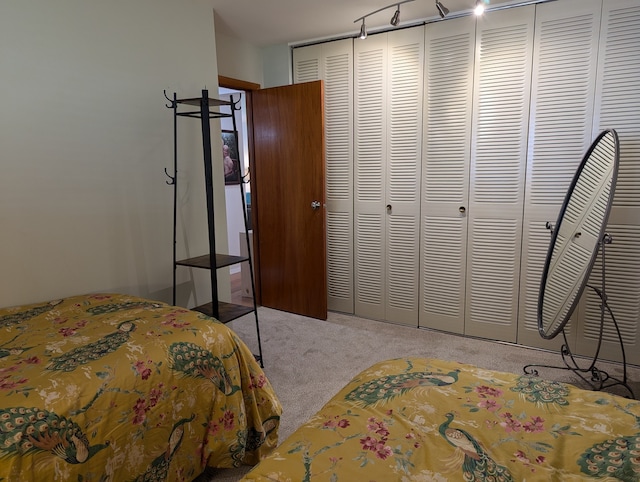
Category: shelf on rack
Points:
column 227, row 311
column 200, row 113
column 203, row 261
column 212, row 102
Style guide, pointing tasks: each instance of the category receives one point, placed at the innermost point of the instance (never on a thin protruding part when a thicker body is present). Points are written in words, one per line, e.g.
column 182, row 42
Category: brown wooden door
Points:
column 288, row 176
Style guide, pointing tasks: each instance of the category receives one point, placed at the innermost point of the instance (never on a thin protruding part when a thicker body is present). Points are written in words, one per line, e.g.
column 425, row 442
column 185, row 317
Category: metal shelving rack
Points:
column 208, row 109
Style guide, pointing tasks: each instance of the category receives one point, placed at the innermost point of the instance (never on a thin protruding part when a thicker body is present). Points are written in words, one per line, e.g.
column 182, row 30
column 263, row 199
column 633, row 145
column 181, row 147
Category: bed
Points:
column 417, row 419
column 109, row 387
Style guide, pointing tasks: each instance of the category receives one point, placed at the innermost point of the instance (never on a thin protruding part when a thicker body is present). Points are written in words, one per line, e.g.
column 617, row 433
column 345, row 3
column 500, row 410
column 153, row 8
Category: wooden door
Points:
column 288, row 170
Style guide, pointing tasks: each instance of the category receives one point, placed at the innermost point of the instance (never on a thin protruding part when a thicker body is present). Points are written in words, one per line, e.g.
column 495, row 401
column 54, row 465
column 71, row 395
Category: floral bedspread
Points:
column 109, row 387
column 419, row 419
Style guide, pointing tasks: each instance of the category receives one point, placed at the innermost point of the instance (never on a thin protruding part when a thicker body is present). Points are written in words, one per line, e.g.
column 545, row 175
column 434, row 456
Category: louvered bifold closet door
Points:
column 562, row 101
column 307, row 62
column 388, row 129
column 449, row 54
column 370, row 148
column 338, row 110
column 504, row 49
column 404, row 154
column 618, row 107
column 332, row 62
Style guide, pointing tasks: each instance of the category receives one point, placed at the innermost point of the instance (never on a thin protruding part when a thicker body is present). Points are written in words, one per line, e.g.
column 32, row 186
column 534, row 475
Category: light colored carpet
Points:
column 307, row 360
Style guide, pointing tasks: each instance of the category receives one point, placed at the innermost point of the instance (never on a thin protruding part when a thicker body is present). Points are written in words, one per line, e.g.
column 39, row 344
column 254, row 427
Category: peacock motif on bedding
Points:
column 391, row 386
column 539, row 391
column 25, row 430
column 197, row 362
column 5, row 352
column 123, row 306
column 252, row 439
column 81, row 355
column 158, row 469
column 12, row 319
column 255, row 438
column 617, row 457
column 477, row 465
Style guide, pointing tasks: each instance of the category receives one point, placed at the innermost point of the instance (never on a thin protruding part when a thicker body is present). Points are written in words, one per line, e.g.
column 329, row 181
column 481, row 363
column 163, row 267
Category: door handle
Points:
column 315, row 204
column 389, row 208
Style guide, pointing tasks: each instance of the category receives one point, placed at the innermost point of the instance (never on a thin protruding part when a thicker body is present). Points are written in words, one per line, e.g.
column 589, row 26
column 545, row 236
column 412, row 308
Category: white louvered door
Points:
column 404, row 154
column 562, row 104
column 504, row 49
column 307, row 64
column 338, row 94
column 618, row 107
column 388, row 131
column 370, row 147
column 332, row 62
column 449, row 54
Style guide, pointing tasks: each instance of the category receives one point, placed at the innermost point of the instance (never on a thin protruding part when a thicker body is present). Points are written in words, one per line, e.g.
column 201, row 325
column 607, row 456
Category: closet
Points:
column 333, row 63
column 561, row 129
column 446, row 158
column 617, row 106
column 472, row 230
column 502, row 80
column 387, row 151
column 454, row 236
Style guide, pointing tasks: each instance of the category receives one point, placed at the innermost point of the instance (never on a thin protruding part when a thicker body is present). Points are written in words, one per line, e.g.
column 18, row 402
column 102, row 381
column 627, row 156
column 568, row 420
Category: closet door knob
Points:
column 315, row 204
column 389, row 208
column 462, row 209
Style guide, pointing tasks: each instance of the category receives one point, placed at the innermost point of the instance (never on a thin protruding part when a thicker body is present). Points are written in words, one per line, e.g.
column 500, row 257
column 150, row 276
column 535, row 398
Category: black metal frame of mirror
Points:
column 577, row 238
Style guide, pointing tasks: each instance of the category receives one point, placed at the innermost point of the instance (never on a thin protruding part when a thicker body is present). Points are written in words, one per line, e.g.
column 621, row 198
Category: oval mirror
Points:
column 577, row 234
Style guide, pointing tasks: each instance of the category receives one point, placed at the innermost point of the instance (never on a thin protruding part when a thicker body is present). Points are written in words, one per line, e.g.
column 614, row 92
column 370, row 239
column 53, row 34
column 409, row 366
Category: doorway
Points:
column 285, row 127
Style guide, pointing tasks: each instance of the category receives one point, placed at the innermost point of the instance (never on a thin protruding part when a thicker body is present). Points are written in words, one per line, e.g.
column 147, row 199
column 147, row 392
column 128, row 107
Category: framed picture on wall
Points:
column 230, row 158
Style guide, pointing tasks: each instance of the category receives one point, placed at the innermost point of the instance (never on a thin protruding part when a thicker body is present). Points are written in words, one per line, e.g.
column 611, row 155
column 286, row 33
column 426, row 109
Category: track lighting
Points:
column 442, row 10
column 395, row 20
column 479, row 9
column 363, row 31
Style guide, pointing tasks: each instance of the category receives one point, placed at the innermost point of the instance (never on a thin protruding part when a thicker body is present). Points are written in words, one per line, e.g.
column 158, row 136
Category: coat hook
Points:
column 171, row 105
column 235, row 105
column 172, row 180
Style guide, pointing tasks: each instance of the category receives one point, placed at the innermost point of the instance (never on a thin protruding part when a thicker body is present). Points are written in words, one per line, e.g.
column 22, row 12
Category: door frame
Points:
column 248, row 88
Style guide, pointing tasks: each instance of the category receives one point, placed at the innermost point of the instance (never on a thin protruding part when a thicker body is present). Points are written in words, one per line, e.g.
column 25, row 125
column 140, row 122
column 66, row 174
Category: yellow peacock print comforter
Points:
column 427, row 420
column 109, row 387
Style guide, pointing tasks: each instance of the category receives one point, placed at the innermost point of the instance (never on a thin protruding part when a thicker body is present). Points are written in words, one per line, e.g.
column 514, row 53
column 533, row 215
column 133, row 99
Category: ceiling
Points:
column 272, row 22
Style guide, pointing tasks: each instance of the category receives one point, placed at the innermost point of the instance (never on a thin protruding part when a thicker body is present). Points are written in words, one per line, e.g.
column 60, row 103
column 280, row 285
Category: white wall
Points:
column 84, row 140
column 237, row 58
column 276, row 65
column 267, row 66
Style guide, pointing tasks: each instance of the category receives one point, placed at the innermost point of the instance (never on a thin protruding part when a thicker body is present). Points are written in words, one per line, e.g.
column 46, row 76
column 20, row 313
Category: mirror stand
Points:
column 599, row 379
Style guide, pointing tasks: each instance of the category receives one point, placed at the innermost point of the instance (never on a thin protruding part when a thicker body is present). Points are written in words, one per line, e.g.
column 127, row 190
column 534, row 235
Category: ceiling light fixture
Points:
column 442, row 10
column 395, row 20
column 479, row 9
column 363, row 31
